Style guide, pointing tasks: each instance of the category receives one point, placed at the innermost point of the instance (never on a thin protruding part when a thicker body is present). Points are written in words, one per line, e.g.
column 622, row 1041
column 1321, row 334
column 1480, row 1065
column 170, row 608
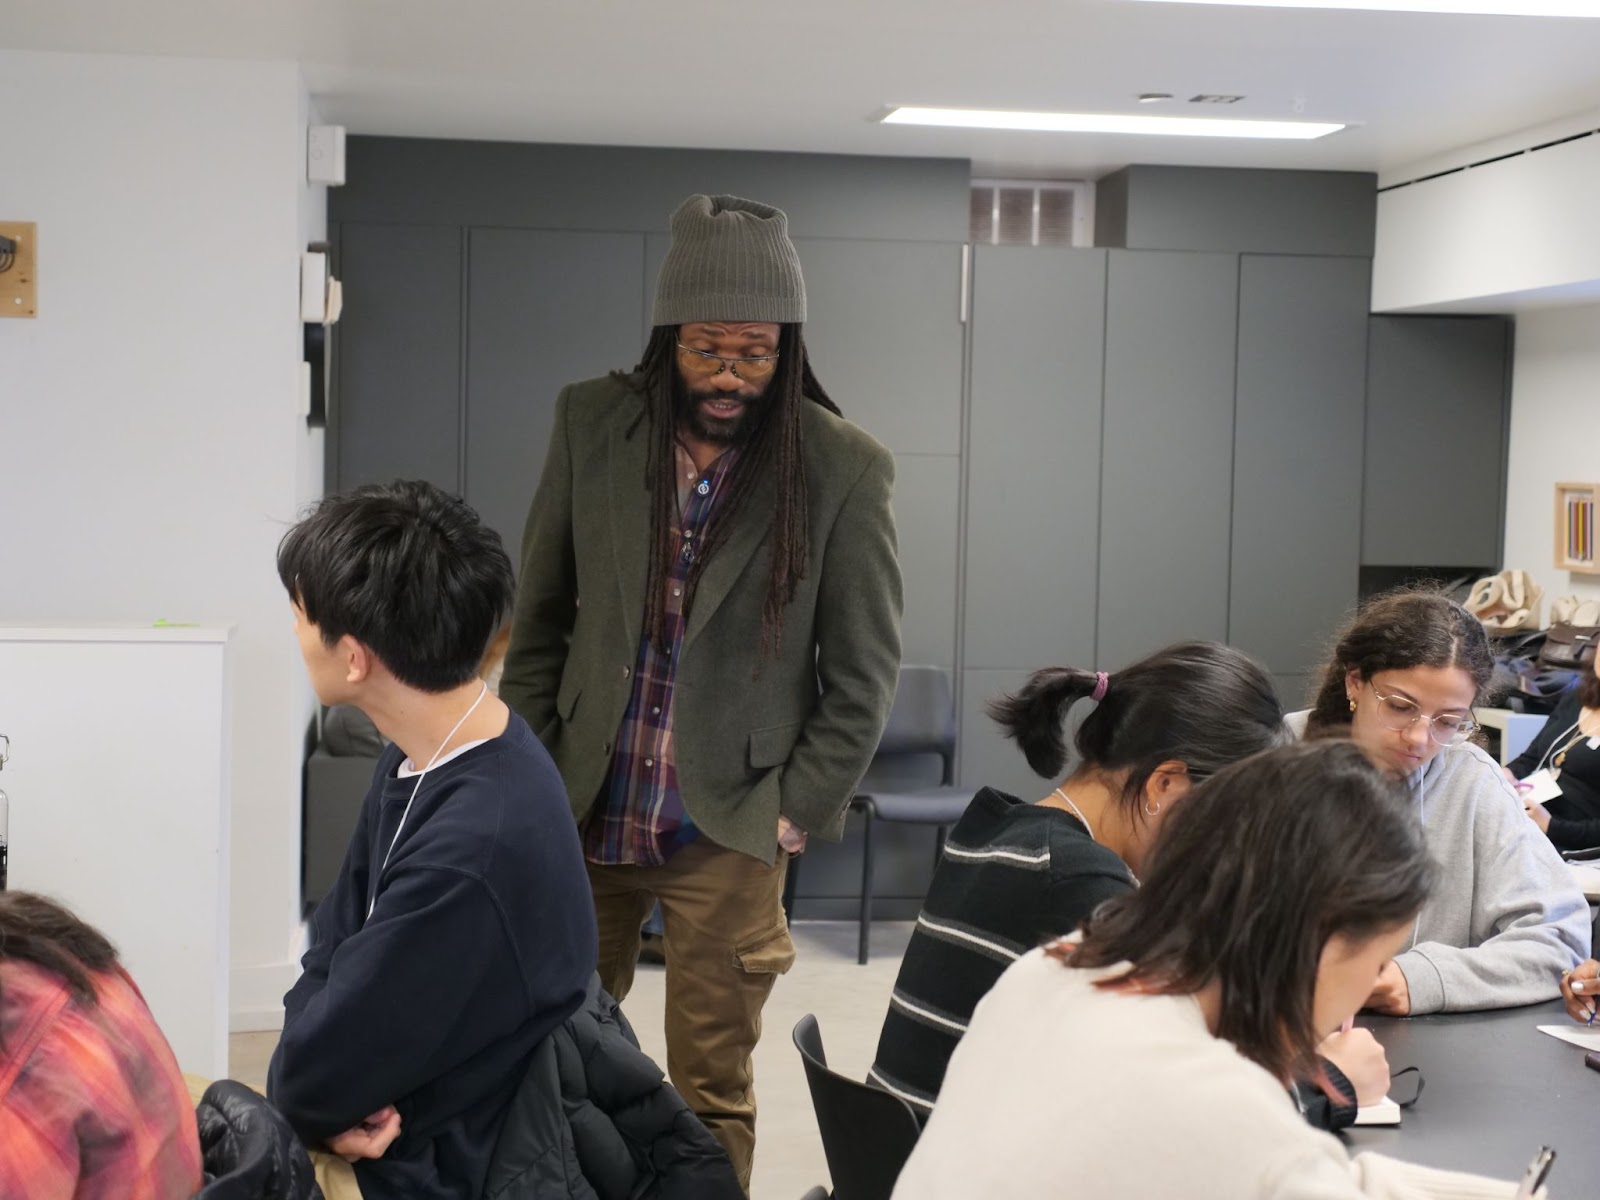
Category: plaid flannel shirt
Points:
column 92, row 1105
column 641, row 819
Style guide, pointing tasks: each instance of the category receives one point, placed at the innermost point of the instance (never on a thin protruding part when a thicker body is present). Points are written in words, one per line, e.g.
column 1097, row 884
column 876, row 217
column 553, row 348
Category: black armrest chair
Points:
column 921, row 723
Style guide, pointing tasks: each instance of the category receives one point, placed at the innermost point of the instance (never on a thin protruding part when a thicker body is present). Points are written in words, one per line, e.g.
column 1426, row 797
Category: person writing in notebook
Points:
column 1153, row 1056
column 459, row 932
column 1507, row 918
column 1567, row 750
column 1015, row 874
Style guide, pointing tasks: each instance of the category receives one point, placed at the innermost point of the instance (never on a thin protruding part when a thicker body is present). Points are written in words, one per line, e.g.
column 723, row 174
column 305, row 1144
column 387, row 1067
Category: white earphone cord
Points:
column 423, row 774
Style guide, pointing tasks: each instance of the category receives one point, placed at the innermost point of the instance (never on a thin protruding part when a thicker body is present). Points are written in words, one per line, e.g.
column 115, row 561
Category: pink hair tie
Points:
column 1100, row 681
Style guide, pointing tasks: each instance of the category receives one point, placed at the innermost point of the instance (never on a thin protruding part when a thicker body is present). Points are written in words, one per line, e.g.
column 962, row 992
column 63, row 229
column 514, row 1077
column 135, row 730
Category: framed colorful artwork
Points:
column 1575, row 527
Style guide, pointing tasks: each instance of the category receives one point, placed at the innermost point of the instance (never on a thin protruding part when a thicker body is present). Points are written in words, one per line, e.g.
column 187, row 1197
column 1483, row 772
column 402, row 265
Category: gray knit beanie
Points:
column 731, row 260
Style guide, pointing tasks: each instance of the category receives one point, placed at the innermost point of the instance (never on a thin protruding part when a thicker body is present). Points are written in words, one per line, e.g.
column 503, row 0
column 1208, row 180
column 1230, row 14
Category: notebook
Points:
column 1587, row 1036
column 1586, row 876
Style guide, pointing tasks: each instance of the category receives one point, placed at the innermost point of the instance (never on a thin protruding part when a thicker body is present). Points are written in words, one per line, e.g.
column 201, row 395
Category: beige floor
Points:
column 849, row 1002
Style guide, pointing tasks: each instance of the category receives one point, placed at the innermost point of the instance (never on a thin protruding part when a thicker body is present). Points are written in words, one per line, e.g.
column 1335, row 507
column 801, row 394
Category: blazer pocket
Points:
column 567, row 701
column 771, row 747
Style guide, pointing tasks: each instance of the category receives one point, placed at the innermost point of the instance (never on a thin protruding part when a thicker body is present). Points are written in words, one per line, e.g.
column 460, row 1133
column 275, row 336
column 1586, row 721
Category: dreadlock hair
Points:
column 774, row 445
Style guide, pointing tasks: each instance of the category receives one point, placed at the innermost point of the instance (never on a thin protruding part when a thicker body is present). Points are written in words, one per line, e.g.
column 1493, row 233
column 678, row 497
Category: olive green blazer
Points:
column 794, row 737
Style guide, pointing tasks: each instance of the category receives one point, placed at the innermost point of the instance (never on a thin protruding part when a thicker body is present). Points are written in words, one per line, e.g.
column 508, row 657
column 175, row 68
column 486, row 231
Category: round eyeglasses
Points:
column 704, row 365
column 1397, row 713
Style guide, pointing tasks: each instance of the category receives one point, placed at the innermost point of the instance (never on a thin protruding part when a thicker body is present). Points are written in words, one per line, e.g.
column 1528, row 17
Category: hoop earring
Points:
column 1151, row 812
column 1352, row 704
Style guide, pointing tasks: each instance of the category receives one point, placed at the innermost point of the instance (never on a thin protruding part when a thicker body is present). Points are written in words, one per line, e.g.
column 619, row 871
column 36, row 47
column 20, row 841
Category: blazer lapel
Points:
column 630, row 517
column 731, row 559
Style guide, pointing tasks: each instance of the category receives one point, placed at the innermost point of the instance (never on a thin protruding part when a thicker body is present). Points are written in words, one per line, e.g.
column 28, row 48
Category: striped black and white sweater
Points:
column 1013, row 875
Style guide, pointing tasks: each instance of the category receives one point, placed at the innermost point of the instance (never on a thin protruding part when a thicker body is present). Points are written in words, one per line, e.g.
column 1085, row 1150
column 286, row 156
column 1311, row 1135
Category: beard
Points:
column 703, row 422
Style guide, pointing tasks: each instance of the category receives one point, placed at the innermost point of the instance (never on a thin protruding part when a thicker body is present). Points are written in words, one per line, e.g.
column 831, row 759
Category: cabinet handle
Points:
column 966, row 278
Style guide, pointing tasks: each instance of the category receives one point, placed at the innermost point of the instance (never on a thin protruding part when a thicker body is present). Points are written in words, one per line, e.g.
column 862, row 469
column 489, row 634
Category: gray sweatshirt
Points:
column 1505, row 918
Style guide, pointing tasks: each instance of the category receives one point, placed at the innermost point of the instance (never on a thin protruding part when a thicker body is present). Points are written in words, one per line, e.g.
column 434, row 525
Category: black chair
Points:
column 922, row 723
column 867, row 1133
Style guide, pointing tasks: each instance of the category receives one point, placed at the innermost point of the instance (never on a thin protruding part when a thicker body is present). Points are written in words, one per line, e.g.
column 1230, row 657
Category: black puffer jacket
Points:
column 250, row 1153
column 595, row 1120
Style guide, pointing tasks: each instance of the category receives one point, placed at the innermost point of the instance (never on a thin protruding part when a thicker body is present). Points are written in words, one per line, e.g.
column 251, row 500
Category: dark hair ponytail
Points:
column 1200, row 703
column 1412, row 627
column 1035, row 716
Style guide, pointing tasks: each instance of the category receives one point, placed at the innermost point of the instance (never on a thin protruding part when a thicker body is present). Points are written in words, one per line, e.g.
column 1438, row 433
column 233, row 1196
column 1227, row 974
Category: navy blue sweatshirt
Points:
column 481, row 942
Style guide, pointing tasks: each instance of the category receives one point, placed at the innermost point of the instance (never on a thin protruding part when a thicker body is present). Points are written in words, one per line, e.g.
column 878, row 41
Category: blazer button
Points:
column 626, row 671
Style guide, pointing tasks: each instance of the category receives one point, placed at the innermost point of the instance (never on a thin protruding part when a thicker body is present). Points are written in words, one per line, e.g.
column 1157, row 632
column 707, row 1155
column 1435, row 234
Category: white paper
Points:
column 1384, row 1112
column 1540, row 787
column 1587, row 1036
column 1587, row 877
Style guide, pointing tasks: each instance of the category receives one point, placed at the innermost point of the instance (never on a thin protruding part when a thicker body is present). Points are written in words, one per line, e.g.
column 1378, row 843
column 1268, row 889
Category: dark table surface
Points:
column 1496, row 1089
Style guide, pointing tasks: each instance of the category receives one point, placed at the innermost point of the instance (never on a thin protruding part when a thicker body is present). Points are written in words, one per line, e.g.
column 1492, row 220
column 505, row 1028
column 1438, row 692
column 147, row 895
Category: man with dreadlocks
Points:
column 707, row 634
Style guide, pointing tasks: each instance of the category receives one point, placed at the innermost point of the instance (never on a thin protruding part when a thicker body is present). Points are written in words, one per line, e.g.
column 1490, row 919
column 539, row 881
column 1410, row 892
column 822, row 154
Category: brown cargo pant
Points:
column 726, row 943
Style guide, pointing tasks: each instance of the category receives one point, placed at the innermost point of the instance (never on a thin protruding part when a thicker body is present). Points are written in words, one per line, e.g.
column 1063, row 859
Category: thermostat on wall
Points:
column 325, row 154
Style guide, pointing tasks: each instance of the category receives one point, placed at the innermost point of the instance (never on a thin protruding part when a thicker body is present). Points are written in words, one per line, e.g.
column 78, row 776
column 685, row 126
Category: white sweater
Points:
column 1062, row 1089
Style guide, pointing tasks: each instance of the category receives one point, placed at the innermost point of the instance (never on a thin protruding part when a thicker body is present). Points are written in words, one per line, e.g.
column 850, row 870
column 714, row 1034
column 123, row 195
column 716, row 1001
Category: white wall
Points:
column 150, row 445
column 1492, row 238
column 1555, row 437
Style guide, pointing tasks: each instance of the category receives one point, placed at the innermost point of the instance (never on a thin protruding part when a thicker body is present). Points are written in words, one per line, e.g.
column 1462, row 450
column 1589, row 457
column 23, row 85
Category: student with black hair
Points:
column 1016, row 874
column 1153, row 1056
column 1507, row 918
column 1568, row 747
column 460, row 931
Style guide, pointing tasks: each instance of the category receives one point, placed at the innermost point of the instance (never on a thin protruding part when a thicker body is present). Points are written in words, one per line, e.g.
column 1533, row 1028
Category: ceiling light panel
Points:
column 1059, row 122
column 1489, row 8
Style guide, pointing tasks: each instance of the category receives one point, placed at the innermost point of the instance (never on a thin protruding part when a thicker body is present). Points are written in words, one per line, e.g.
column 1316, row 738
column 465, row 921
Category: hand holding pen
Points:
column 1580, row 988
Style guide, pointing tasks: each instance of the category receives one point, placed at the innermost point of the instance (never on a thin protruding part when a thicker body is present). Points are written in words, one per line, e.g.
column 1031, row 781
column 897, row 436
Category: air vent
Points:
column 1214, row 98
column 1029, row 213
column 1484, row 162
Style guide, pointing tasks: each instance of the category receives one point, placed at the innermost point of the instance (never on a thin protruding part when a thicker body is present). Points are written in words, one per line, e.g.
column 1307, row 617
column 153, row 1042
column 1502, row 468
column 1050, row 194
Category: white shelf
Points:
column 86, row 631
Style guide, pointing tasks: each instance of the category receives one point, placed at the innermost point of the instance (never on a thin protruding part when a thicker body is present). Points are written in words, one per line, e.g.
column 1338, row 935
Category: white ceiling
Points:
column 809, row 74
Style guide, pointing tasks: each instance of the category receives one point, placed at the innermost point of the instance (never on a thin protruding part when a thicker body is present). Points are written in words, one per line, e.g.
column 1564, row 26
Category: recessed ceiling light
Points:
column 1056, row 122
column 1486, row 8
column 1154, row 97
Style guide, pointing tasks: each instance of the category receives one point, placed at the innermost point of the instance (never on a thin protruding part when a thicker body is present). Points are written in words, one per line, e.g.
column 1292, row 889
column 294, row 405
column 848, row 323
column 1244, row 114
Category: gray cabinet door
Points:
column 1033, row 481
column 883, row 325
column 883, row 328
column 1167, row 457
column 1437, row 405
column 1297, row 455
column 1033, row 470
column 398, row 405
column 548, row 308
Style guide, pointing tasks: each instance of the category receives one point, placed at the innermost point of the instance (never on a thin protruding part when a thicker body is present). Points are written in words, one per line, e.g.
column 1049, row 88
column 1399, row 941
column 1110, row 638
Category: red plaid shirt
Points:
column 641, row 819
column 92, row 1105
